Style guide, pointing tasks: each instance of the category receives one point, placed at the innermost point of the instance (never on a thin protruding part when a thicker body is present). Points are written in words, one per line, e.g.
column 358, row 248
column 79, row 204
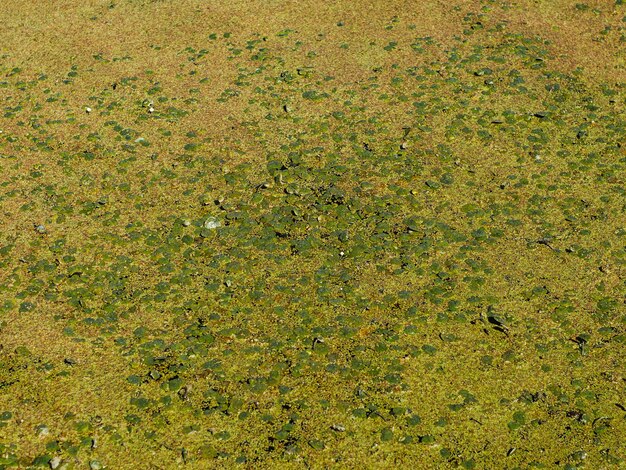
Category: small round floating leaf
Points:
column 317, row 444
column 386, row 434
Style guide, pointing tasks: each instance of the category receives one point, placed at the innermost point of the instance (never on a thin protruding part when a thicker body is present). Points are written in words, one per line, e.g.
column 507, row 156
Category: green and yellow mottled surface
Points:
column 304, row 234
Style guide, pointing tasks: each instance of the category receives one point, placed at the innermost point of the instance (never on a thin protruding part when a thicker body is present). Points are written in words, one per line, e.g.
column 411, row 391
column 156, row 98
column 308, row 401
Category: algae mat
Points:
column 312, row 234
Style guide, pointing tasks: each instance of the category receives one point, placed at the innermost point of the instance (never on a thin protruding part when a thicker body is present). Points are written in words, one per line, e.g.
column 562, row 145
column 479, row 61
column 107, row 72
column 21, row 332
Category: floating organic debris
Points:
column 388, row 239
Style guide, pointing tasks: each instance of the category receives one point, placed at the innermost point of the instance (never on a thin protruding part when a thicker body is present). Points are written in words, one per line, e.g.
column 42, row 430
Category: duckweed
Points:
column 313, row 240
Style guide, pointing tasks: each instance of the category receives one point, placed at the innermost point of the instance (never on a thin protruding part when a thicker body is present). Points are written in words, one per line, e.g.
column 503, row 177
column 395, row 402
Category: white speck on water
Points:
column 212, row 223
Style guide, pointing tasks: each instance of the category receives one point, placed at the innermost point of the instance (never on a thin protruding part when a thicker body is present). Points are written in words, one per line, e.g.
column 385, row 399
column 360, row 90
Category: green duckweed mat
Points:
column 304, row 234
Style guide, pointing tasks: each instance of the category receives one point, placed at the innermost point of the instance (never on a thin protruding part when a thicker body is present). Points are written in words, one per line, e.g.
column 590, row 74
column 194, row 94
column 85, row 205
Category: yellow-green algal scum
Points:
column 312, row 234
